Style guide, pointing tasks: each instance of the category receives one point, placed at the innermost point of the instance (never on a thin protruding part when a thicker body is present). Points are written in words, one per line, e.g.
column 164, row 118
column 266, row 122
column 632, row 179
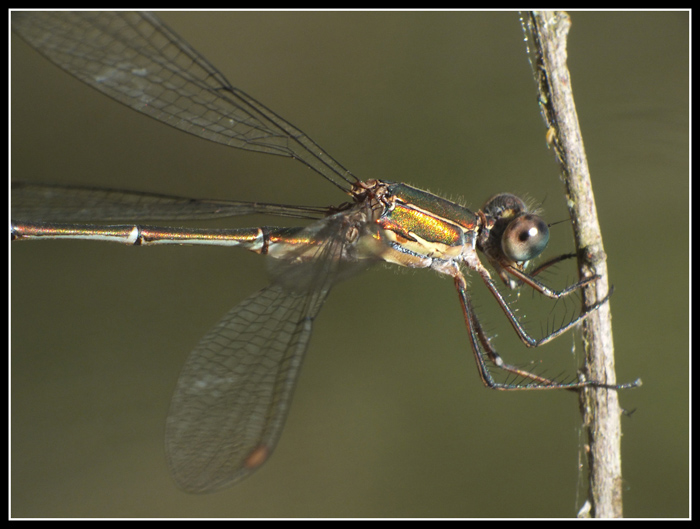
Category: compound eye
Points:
column 525, row 238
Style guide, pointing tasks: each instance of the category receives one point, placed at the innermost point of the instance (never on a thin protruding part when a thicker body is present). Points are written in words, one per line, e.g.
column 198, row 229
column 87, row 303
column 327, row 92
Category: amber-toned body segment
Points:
column 420, row 227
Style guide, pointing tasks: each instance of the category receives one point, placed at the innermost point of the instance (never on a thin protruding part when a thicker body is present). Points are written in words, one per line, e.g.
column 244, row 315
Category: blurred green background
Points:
column 389, row 418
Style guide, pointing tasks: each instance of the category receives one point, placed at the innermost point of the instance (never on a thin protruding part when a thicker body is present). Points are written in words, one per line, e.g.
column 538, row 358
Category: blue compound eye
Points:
column 525, row 238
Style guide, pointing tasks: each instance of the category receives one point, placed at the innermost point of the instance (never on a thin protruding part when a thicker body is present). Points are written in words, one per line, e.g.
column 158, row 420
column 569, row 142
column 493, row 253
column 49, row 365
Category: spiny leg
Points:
column 544, row 289
column 481, row 346
column 551, row 262
column 519, row 329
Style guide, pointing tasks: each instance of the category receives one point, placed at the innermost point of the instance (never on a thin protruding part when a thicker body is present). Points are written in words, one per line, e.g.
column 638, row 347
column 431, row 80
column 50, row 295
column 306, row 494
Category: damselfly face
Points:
column 516, row 235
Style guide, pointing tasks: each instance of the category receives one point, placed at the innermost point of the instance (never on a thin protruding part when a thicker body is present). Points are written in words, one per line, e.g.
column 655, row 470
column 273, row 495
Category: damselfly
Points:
column 233, row 394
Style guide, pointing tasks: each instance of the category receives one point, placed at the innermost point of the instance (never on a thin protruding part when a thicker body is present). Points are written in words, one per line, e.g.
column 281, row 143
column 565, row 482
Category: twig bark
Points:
column 600, row 408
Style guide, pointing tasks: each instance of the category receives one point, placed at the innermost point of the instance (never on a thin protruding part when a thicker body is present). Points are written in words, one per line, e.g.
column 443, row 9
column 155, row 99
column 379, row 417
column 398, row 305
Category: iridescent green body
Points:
column 394, row 222
column 418, row 227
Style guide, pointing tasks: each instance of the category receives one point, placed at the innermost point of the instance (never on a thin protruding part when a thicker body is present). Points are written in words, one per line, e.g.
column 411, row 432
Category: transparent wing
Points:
column 50, row 202
column 234, row 392
column 139, row 61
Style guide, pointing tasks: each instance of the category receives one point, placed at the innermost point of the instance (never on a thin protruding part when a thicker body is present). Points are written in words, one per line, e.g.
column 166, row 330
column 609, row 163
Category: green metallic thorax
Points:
column 420, row 227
